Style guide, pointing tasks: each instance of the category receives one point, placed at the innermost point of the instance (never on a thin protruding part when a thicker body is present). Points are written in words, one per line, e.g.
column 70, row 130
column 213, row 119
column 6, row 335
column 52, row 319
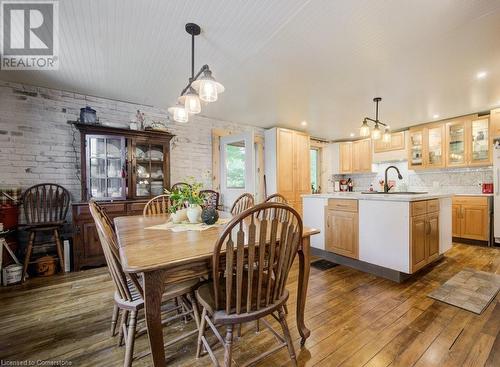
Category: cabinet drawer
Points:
column 470, row 200
column 432, row 206
column 343, row 205
column 418, row 208
column 135, row 207
column 84, row 210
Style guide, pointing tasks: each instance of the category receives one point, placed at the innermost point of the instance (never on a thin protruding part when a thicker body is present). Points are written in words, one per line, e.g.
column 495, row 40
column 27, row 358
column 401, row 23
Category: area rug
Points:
column 470, row 289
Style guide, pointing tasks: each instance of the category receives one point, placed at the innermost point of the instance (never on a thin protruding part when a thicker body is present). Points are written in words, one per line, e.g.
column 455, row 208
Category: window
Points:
column 235, row 165
column 315, row 170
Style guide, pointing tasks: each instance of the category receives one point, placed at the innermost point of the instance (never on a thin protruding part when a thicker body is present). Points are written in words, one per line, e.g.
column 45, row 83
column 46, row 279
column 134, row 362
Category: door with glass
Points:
column 237, row 164
column 415, row 151
column 105, row 167
column 149, row 168
column 480, row 147
column 433, row 147
column 456, row 144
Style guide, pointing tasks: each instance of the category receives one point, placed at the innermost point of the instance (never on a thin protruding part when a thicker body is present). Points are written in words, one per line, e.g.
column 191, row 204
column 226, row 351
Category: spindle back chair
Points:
column 242, row 203
column 251, row 262
column 157, row 205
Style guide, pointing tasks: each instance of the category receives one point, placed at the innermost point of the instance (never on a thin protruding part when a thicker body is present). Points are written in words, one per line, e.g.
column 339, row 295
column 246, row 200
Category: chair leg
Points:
column 27, row 257
column 288, row 338
column 201, row 331
column 123, row 325
column 129, row 345
column 228, row 347
column 285, row 307
column 59, row 249
column 114, row 319
column 196, row 310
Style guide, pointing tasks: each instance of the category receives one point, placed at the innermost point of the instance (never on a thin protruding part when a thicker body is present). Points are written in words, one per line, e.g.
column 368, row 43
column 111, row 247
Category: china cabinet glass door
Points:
column 480, row 142
column 456, row 141
column 149, row 169
column 105, row 167
column 416, row 149
column 435, row 138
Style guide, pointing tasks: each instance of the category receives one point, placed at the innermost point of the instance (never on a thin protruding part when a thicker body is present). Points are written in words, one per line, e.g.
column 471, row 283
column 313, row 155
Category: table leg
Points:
column 304, row 268
column 153, row 291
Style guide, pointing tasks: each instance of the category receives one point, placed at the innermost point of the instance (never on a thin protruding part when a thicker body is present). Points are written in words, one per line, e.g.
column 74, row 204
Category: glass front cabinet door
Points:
column 456, row 144
column 415, row 151
column 433, row 147
column 480, row 149
column 149, row 177
column 105, row 167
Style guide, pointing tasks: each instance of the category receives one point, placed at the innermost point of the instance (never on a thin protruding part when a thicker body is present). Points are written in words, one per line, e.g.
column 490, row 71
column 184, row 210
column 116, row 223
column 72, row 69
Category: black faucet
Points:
column 386, row 185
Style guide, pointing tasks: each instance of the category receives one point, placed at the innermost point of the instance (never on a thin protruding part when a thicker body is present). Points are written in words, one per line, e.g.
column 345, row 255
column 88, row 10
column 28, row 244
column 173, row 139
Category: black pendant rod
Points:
column 376, row 121
column 192, row 57
column 194, row 30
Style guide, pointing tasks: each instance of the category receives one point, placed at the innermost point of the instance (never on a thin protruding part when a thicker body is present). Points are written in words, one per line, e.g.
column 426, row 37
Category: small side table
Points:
column 3, row 243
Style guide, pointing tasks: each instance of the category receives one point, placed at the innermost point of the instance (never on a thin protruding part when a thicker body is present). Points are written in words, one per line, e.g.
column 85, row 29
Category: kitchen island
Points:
column 390, row 235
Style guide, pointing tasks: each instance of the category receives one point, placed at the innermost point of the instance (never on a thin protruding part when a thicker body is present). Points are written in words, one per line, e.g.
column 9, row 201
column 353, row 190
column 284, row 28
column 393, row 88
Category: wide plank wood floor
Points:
column 356, row 319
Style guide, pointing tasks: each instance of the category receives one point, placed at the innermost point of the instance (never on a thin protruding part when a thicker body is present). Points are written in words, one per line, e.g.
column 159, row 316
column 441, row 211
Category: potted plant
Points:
column 177, row 207
column 192, row 197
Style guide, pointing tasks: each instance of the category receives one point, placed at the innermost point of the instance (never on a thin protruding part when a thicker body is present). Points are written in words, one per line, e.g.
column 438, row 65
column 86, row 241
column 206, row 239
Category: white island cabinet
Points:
column 391, row 235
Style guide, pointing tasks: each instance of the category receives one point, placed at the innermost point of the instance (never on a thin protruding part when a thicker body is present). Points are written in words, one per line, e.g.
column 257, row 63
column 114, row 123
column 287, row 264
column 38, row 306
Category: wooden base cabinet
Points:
column 87, row 250
column 424, row 233
column 341, row 225
column 471, row 218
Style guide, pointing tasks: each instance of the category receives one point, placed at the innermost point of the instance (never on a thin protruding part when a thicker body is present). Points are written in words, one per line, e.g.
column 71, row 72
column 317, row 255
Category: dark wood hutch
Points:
column 122, row 169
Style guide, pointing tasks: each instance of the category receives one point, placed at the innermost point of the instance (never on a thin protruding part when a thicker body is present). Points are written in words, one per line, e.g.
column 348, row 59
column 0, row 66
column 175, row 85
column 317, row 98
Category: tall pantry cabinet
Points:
column 287, row 164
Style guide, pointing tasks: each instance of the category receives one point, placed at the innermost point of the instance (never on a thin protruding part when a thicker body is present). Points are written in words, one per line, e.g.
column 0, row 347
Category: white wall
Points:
column 37, row 145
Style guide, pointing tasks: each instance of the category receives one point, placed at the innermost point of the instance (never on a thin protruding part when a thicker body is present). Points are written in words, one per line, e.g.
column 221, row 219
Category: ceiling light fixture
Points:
column 376, row 133
column 481, row 75
column 352, row 135
column 435, row 116
column 304, row 123
column 204, row 88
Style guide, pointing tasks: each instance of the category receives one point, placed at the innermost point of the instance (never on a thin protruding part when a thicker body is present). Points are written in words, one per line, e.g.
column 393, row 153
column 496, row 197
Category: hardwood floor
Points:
column 356, row 319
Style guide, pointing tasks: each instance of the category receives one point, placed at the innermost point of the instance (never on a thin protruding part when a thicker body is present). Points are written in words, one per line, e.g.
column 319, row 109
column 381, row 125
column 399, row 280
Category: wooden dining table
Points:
column 164, row 257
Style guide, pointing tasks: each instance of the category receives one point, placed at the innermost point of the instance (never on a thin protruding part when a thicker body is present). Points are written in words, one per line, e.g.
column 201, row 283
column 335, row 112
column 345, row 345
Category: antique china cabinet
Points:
column 122, row 169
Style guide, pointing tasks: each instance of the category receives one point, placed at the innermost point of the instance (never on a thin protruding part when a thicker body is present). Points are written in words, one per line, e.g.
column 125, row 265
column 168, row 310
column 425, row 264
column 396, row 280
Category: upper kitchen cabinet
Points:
column 426, row 147
column 495, row 123
column 287, row 164
column 397, row 143
column 468, row 142
column 356, row 156
column 416, row 149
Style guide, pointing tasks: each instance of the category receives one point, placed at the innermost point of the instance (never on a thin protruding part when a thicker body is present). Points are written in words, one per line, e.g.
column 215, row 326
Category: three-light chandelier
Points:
column 199, row 88
column 376, row 133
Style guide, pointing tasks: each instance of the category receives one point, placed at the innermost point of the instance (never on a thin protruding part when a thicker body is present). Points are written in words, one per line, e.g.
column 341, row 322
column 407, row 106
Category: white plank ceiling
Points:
column 285, row 61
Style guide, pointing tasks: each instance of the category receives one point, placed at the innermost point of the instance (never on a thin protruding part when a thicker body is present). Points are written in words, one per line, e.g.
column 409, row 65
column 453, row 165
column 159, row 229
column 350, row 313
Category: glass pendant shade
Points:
column 376, row 133
column 207, row 87
column 179, row 113
column 386, row 138
column 364, row 130
column 192, row 102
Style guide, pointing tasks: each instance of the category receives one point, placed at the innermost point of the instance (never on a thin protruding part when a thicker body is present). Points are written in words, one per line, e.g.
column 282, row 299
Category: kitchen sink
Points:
column 394, row 192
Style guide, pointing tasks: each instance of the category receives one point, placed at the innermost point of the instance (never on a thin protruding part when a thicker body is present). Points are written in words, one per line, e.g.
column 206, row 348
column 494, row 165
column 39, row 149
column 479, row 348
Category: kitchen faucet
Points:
column 386, row 185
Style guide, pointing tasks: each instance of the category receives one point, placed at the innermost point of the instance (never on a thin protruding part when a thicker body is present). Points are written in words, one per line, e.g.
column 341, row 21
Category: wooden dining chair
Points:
column 242, row 203
column 210, row 198
column 129, row 295
column 250, row 266
column 276, row 198
column 157, row 205
column 179, row 186
column 45, row 207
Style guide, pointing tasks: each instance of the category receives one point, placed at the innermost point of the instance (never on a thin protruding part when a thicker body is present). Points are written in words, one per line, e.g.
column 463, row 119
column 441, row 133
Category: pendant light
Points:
column 376, row 133
column 179, row 113
column 205, row 89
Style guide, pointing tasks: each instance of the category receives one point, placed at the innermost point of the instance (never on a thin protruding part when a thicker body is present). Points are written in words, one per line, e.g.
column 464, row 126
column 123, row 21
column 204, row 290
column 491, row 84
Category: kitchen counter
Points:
column 382, row 234
column 378, row 197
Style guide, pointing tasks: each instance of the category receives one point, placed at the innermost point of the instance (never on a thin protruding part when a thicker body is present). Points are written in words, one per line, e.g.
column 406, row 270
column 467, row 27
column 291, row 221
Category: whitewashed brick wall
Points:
column 38, row 145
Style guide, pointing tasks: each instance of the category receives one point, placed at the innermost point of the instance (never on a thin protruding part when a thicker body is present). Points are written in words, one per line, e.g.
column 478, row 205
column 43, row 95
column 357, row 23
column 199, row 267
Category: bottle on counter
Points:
column 350, row 185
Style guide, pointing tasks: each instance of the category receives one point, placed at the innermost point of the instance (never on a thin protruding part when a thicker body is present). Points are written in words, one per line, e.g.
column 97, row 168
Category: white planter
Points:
column 179, row 216
column 194, row 213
